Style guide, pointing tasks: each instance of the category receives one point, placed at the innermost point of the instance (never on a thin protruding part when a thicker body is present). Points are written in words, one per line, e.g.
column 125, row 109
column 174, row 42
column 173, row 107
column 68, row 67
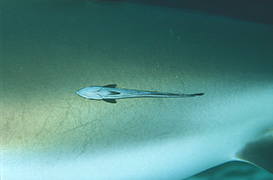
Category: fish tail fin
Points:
column 193, row 95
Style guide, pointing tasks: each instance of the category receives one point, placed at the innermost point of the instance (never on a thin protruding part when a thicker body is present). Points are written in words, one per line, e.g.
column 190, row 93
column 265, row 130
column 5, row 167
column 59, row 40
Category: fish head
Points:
column 90, row 93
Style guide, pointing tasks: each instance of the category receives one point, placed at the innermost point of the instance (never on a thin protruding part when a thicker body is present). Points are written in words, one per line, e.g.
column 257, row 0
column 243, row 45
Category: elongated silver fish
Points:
column 110, row 93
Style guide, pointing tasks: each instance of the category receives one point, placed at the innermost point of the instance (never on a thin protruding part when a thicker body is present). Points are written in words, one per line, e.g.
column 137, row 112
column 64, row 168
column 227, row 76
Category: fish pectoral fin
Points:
column 259, row 153
column 110, row 100
column 110, row 86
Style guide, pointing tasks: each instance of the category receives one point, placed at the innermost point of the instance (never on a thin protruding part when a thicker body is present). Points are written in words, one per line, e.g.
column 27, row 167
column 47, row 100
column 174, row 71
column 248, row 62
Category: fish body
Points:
column 110, row 93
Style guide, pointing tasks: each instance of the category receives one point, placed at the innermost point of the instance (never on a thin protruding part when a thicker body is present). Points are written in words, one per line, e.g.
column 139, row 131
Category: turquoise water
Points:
column 53, row 48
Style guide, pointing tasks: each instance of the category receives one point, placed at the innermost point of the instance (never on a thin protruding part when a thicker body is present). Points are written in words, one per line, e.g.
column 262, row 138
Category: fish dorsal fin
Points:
column 113, row 93
column 259, row 153
column 111, row 86
column 110, row 100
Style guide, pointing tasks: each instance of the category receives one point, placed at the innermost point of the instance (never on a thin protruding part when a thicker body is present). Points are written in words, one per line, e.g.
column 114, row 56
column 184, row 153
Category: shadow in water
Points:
column 260, row 11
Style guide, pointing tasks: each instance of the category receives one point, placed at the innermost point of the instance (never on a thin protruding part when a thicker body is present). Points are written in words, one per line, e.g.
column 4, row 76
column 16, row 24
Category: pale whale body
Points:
column 110, row 93
column 49, row 132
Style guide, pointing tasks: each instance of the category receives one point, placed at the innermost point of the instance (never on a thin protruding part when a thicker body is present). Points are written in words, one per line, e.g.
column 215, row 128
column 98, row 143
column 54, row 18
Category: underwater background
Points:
column 46, row 41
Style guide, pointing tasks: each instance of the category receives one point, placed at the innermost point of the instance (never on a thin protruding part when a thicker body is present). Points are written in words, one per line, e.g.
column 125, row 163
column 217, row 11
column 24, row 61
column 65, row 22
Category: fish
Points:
column 49, row 132
column 110, row 93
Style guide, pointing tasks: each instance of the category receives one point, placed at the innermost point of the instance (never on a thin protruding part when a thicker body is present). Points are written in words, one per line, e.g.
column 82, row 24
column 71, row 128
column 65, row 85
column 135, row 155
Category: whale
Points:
column 110, row 93
column 51, row 49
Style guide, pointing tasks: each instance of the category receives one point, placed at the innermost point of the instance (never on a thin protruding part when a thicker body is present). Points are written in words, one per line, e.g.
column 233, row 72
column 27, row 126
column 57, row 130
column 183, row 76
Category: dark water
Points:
column 47, row 43
column 251, row 10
